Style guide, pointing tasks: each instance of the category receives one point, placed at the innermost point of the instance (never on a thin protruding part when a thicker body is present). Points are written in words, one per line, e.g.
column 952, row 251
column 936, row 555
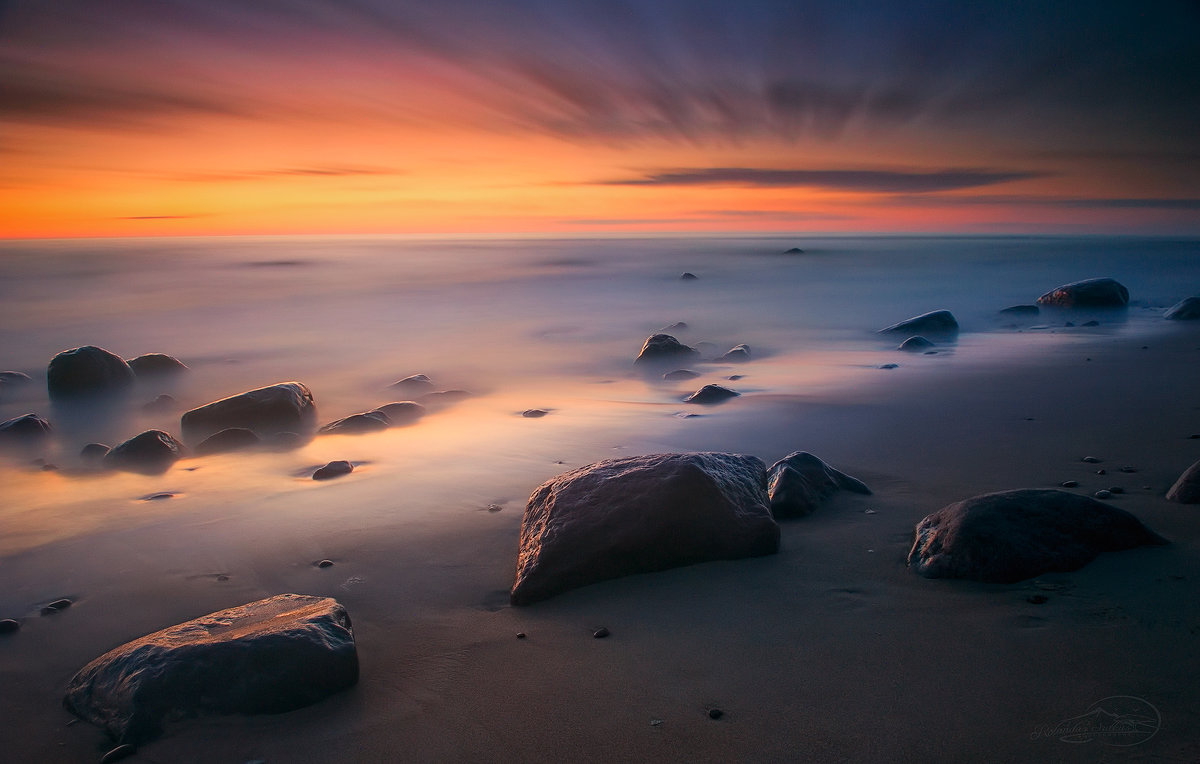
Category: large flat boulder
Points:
column 1186, row 489
column 1089, row 293
column 265, row 657
column 87, row 371
column 936, row 322
column 283, row 407
column 1013, row 535
column 641, row 514
column 798, row 483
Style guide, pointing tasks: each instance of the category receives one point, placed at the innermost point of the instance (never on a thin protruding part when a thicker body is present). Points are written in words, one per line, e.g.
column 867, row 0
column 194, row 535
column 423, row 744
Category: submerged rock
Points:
column 799, row 482
column 1089, row 293
column 711, row 394
column 87, row 371
column 1186, row 489
column 641, row 514
column 229, row 439
column 265, row 657
column 400, row 412
column 413, row 385
column 680, row 374
column 934, row 322
column 534, row 413
column 284, row 407
column 355, row 424
column 27, row 428
column 151, row 452
column 916, row 344
column 794, row 251
column 685, row 276
column 333, row 470
column 156, row 364
column 1187, row 309
column 94, row 452
column 15, row 378
column 1014, row 535
column 736, row 354
column 663, row 348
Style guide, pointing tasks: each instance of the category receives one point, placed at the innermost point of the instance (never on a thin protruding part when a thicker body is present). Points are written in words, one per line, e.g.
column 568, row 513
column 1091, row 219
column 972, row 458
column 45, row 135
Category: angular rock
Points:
column 794, row 251
column 641, row 514
column 678, row 374
column 87, row 371
column 283, row 407
column 1187, row 309
column 1021, row 310
column 711, row 394
column 934, row 322
column 1186, row 489
column 356, row 424
column 799, row 482
column 1089, row 293
column 413, row 385
column 916, row 344
column 333, row 470
column 265, row 657
column 27, row 428
column 736, row 354
column 151, row 452
column 1014, row 535
column 229, row 439
column 400, row 412
column 156, row 364
column 660, row 348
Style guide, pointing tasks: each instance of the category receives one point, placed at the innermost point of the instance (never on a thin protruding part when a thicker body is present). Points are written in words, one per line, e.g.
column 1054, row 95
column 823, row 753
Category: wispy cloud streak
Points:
column 875, row 181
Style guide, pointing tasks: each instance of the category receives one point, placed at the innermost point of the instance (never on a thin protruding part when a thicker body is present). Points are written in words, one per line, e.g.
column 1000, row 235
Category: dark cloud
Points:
column 874, row 181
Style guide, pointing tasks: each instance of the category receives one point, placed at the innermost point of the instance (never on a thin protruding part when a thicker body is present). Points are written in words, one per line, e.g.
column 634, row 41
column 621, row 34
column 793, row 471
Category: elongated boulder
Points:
column 265, row 657
column 283, row 407
column 151, row 452
column 87, row 371
column 156, row 364
column 917, row 344
column 663, row 348
column 934, row 322
column 1186, row 489
column 641, row 514
column 799, row 482
column 1089, row 293
column 1187, row 309
column 1013, row 535
column 356, row 424
column 400, row 412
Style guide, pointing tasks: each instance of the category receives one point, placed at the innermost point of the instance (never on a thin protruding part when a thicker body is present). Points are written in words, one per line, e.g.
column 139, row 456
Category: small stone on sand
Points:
column 600, row 633
column 1103, row 494
column 715, row 713
column 333, row 469
column 56, row 605
column 520, row 635
column 1091, row 460
column 325, row 563
column 8, row 626
column 533, row 413
column 1069, row 484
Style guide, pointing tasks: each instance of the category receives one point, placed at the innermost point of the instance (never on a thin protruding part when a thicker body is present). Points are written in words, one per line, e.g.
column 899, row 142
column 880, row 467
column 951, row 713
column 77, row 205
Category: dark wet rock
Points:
column 27, row 428
column 162, row 402
column 736, row 354
column 400, row 412
column 601, row 633
column 57, row 605
column 1187, row 309
column 641, row 514
column 1089, row 293
column 794, row 251
column 1128, row 469
column 1090, row 459
column 1103, row 494
column 1186, row 489
column 229, row 439
column 94, row 452
column 1021, row 310
column 287, row 406
column 121, row 752
column 917, row 344
column 9, row 625
column 715, row 713
column 520, row 635
column 333, row 469
column 664, row 348
column 1092, row 323
column 151, row 452
column 265, row 657
column 156, row 364
column 799, row 482
column 735, row 377
column 890, row 366
column 356, row 424
column 1013, row 535
column 685, row 276
column 1101, row 472
column 160, row 496
column 1069, row 484
column 417, row 384
column 325, row 564
column 680, row 374
column 711, row 394
column 87, row 371
column 534, row 413
column 934, row 322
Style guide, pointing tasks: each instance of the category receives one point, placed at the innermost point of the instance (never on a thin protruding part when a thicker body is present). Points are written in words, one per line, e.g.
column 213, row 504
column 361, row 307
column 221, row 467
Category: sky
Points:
column 196, row 117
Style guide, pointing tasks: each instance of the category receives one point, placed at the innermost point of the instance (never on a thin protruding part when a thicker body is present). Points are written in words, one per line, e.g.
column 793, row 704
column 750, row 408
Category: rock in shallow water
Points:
column 156, row 364
column 269, row 656
column 710, row 394
column 231, row 439
column 333, row 469
column 87, row 371
column 1187, row 309
column 27, row 428
column 1186, row 489
column 935, row 322
column 641, row 514
column 284, row 407
column 1013, row 535
column 400, row 412
column 799, row 482
column 917, row 344
column 356, row 424
column 1089, row 293
column 151, row 452
column 664, row 348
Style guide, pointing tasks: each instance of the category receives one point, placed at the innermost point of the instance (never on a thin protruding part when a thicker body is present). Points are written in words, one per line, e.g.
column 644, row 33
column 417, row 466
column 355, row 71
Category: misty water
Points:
column 519, row 324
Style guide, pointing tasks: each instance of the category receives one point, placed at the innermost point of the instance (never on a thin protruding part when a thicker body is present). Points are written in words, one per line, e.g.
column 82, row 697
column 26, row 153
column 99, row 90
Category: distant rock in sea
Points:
column 1014, row 535
column 798, row 483
column 736, row 354
column 156, row 364
column 916, row 344
column 229, row 439
column 680, row 374
column 685, row 276
column 93, row 452
column 937, row 322
column 1089, row 293
column 264, row 657
column 1021, row 310
column 400, row 412
column 356, row 424
column 534, row 413
column 151, row 452
column 1187, row 309
column 641, row 514
column 414, row 385
column 287, row 406
column 26, row 429
column 87, row 371
column 711, row 394
column 333, row 470
column 1186, row 489
column 794, row 251
column 664, row 348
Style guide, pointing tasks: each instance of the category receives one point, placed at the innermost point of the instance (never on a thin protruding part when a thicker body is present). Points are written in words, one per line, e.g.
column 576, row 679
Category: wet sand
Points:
column 831, row 650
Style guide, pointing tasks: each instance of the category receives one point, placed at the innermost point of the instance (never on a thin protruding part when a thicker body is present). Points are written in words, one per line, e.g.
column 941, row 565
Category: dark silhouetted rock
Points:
column 94, row 452
column 641, row 514
column 679, row 374
column 1187, row 488
column 916, row 344
column 400, row 412
column 151, row 452
column 794, row 251
column 736, row 354
column 87, row 371
column 662, row 348
column 1185, row 310
column 534, row 413
column 56, row 606
column 799, row 482
column 264, row 657
column 685, row 276
column 27, row 428
column 229, row 439
column 15, row 378
column 156, row 364
column 1021, row 310
column 1013, row 535
column 934, row 322
column 890, row 366
column 711, row 394
column 333, row 470
column 8, row 626
column 1090, row 293
column 287, row 406
column 356, row 424
column 415, row 385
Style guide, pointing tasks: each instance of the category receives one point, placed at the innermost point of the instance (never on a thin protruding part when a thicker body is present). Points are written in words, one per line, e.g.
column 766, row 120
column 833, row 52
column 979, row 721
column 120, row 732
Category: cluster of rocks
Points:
column 661, row 350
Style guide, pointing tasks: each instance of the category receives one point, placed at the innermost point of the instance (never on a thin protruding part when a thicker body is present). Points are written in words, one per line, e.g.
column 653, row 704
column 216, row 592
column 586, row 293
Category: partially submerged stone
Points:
column 284, row 407
column 711, row 394
column 265, row 657
column 400, row 412
column 415, row 384
column 1021, row 310
column 934, row 322
column 156, row 364
column 1187, row 309
column 152, row 451
column 736, row 354
column 916, row 344
column 356, row 424
column 1014, row 535
column 334, row 469
column 664, row 348
column 87, row 371
column 680, row 374
column 1186, row 489
column 799, row 482
column 27, row 428
column 641, row 514
column 229, row 439
column 1089, row 293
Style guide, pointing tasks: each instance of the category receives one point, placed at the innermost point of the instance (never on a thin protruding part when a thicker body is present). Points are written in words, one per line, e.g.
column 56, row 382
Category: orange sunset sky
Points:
column 174, row 117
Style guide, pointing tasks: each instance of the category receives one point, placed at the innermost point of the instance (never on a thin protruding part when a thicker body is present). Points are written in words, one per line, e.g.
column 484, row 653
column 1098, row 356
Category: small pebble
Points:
column 1091, row 460
column 735, row 377
column 56, row 605
column 494, row 507
column 715, row 713
column 1101, row 471
column 1037, row 599
column 520, row 635
column 325, row 563
column 158, row 496
column 1069, row 484
column 600, row 633
column 533, row 413
column 1102, row 494
column 656, row 722
column 123, row 751
column 868, row 511
column 1127, row 468
column 222, row 577
column 890, row 366
column 8, row 626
